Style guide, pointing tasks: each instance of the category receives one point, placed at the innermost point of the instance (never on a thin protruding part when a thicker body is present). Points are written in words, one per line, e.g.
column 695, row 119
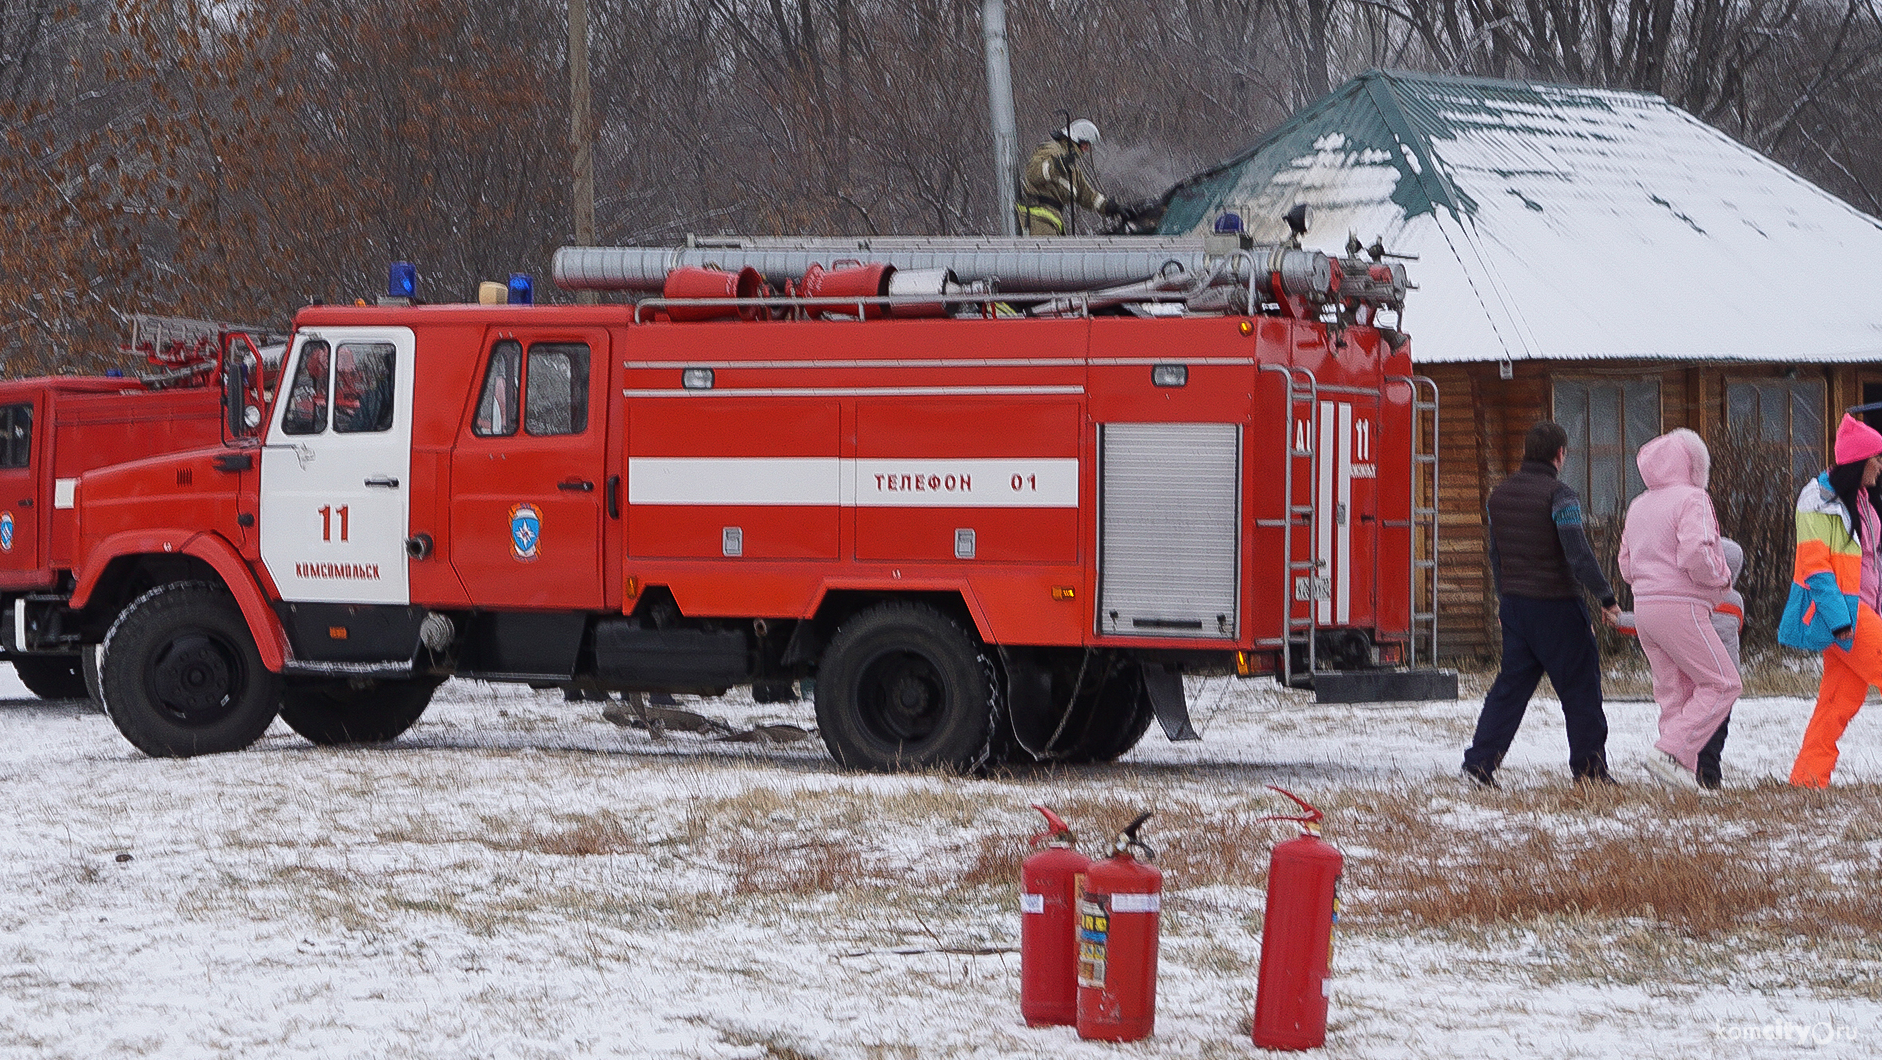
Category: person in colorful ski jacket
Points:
column 1836, row 591
column 1671, row 555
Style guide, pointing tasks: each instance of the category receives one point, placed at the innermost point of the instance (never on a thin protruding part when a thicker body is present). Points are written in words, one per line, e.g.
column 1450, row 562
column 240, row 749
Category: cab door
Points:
column 19, row 489
column 528, row 472
column 336, row 468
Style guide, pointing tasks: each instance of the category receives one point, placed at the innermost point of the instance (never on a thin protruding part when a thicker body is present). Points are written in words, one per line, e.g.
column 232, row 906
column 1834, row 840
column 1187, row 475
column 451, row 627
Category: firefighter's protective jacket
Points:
column 1050, row 182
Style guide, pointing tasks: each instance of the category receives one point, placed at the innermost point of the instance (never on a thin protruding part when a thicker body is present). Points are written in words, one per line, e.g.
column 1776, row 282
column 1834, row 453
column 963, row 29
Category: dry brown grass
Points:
column 761, row 865
column 1706, row 868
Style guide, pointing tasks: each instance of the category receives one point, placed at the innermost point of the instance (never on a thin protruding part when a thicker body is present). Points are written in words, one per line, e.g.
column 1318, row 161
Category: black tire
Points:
column 903, row 686
column 181, row 675
column 88, row 667
column 333, row 713
column 51, row 676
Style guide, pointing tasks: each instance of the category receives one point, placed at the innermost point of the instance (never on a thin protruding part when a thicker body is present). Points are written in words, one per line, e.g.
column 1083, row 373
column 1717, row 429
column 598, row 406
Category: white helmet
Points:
column 1082, row 132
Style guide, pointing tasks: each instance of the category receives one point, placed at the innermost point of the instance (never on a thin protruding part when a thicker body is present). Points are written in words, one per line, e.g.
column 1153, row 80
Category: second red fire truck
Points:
column 995, row 497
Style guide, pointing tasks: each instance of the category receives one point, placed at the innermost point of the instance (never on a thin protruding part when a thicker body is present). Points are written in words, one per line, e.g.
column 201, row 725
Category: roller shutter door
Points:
column 1169, row 525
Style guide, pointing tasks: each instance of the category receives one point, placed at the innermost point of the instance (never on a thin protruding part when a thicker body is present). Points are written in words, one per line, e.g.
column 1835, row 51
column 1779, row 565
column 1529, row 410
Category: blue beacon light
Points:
column 522, row 289
column 1229, row 222
column 402, row 281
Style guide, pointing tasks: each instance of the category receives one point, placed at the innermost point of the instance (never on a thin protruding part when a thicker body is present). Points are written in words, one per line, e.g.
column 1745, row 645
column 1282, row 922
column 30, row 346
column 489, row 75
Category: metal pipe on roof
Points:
column 1018, row 265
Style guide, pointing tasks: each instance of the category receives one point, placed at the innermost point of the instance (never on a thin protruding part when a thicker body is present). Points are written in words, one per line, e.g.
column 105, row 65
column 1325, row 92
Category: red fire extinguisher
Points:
column 1119, row 901
column 1297, row 937
column 1048, row 927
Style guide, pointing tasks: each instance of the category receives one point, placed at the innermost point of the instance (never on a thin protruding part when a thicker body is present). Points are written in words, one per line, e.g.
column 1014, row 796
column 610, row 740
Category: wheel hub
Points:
column 195, row 679
column 903, row 695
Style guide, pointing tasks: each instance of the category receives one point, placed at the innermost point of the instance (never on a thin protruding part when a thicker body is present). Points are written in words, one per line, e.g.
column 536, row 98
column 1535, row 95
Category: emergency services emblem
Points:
column 525, row 531
column 6, row 531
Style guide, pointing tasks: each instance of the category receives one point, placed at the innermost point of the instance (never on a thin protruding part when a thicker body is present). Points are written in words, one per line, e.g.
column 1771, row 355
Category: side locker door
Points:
column 336, row 468
column 21, row 508
column 1358, row 595
column 529, row 471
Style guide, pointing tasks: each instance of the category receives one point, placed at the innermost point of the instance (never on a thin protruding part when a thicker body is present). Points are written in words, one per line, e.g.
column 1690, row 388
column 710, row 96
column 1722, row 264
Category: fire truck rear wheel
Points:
column 181, row 675
column 333, row 713
column 51, row 676
column 902, row 687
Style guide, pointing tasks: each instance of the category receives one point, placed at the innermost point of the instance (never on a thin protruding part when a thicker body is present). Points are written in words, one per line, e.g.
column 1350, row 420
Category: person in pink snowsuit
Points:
column 1671, row 556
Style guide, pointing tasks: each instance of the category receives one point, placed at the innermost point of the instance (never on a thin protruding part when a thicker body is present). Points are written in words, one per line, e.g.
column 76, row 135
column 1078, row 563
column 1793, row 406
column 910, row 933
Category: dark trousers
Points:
column 1711, row 754
column 1552, row 637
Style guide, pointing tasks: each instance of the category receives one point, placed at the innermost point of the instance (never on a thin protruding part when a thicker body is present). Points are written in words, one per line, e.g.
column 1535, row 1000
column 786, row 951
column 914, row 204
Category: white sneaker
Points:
column 1667, row 770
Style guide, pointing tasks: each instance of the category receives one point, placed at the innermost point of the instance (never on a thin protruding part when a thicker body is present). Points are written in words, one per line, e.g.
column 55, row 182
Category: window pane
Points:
column 558, row 389
column 1807, row 417
column 362, row 387
column 1604, row 485
column 1571, row 411
column 1604, row 415
column 1773, row 412
column 1643, row 425
column 1741, row 406
column 307, row 397
column 496, row 408
column 16, row 435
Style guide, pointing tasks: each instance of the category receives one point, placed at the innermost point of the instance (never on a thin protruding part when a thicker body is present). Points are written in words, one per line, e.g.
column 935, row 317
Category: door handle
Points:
column 578, row 485
column 26, row 502
column 614, row 496
column 383, row 481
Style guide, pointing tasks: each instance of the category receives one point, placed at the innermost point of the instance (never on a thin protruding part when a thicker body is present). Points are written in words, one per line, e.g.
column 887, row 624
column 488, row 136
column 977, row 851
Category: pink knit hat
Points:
column 1856, row 440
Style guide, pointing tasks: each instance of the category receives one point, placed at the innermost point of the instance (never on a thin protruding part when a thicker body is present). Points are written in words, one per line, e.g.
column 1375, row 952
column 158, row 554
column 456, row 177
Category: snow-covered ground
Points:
column 518, row 878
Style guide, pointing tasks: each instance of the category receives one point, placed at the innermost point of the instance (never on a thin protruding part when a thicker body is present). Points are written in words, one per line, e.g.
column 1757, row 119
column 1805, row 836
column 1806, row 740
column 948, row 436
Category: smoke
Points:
column 1142, row 171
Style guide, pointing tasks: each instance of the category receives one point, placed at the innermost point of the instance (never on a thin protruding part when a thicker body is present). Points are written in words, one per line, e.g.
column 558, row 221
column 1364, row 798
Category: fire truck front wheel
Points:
column 332, row 713
column 181, row 675
column 903, row 686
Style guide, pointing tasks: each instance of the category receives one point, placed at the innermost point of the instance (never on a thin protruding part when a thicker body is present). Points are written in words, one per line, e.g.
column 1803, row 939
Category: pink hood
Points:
column 1670, row 545
column 1676, row 458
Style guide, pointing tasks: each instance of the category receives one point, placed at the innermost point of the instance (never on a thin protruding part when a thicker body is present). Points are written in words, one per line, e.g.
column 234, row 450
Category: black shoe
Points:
column 1709, row 780
column 1481, row 778
column 1603, row 779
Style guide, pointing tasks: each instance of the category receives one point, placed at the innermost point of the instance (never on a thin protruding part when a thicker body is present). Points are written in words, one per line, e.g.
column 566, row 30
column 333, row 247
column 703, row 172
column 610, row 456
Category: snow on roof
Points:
column 1552, row 222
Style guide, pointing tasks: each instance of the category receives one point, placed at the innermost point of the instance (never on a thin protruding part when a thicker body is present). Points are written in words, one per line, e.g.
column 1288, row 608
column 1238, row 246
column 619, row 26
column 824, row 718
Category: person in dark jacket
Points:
column 1541, row 560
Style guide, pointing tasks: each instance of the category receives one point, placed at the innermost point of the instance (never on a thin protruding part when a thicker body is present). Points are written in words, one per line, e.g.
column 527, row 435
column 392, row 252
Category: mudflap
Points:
column 1164, row 686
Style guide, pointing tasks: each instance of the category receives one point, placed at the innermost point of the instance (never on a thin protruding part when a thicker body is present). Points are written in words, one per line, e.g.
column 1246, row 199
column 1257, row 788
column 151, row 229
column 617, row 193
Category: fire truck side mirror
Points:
column 241, row 387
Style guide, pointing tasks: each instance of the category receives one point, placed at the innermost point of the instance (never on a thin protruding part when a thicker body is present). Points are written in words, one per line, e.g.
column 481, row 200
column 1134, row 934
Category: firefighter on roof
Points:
column 1054, row 180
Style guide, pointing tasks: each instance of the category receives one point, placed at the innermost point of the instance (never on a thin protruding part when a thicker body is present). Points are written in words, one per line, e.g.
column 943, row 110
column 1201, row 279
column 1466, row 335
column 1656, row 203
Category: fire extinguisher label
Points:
column 1094, row 933
column 1136, row 903
column 1032, row 903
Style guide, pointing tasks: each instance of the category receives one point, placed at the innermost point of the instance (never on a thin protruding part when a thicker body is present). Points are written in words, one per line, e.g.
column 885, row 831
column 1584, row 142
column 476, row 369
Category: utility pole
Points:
column 581, row 133
column 1000, row 107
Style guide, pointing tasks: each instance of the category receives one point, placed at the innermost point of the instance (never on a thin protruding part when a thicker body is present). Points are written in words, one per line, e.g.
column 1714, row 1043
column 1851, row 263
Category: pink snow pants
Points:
column 1694, row 680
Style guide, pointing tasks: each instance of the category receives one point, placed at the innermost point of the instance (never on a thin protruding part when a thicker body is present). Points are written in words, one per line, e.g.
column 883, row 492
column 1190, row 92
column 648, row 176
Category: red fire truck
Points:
column 993, row 519
column 52, row 430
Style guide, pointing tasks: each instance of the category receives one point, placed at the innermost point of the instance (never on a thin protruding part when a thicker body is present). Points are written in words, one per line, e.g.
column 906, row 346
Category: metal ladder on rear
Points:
column 1424, row 517
column 1301, row 580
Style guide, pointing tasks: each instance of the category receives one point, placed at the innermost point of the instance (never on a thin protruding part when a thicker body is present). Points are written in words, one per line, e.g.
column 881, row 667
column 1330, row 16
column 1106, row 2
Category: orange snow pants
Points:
column 1847, row 676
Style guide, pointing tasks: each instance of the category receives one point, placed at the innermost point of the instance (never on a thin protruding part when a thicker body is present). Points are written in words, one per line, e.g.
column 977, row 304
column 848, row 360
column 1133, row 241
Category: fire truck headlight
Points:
column 402, row 280
column 1169, row 375
column 696, row 378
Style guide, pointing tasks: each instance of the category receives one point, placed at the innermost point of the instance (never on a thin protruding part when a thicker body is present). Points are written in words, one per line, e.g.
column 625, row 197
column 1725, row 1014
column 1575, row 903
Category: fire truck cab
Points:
column 987, row 533
column 54, row 429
